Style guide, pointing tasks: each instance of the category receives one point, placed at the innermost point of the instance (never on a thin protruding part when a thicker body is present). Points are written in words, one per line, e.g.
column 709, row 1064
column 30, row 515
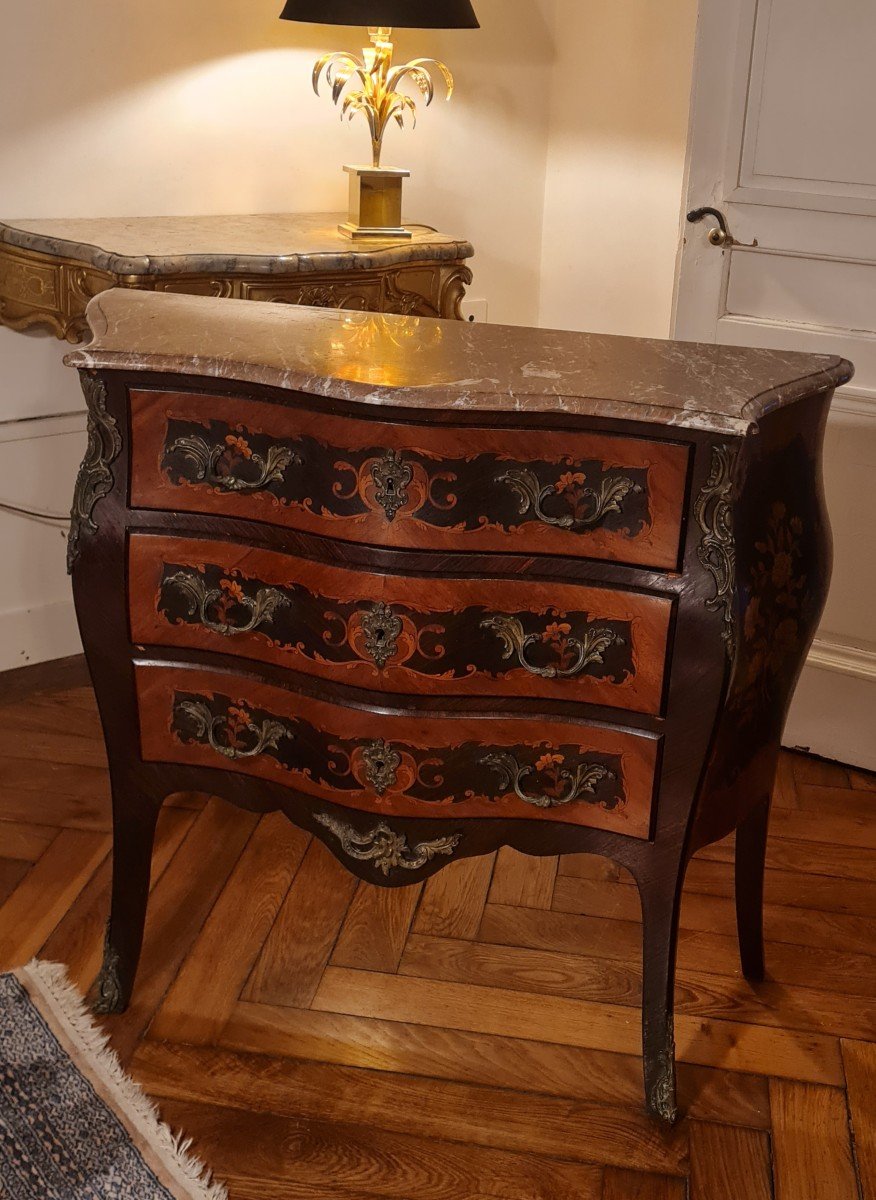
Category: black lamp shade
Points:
column 399, row 14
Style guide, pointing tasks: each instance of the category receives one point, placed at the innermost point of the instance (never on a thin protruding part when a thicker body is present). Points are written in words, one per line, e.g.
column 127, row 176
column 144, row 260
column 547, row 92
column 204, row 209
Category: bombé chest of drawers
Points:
column 432, row 589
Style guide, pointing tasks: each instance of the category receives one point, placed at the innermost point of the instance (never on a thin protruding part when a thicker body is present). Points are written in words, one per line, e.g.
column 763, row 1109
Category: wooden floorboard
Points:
column 475, row 1038
column 55, row 677
column 811, row 1143
column 859, row 1059
column 729, row 1163
column 277, row 1153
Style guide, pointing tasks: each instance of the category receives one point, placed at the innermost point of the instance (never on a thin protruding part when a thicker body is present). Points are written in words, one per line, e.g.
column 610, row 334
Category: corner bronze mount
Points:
column 717, row 549
column 107, row 995
column 95, row 479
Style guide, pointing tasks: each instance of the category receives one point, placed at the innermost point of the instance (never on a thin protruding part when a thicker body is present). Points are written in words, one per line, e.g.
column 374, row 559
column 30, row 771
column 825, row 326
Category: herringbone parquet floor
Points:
column 474, row 1038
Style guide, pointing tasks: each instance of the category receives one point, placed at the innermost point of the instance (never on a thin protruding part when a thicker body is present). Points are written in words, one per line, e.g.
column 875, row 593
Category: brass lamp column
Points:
column 370, row 85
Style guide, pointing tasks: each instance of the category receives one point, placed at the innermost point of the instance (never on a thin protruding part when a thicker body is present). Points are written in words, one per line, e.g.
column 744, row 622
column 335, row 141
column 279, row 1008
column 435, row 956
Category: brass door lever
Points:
column 720, row 235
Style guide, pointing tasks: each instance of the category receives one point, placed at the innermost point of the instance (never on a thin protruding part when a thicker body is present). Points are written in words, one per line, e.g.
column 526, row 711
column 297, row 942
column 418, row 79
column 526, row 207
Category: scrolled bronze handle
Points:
column 200, row 601
column 583, row 780
column 588, row 650
column 205, row 459
column 268, row 735
column 607, row 498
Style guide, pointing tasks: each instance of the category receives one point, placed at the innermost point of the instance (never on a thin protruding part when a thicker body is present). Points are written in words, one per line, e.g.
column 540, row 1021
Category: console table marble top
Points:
column 49, row 269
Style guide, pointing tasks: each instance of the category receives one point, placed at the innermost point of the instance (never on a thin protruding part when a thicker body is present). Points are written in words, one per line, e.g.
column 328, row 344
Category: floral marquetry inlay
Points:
column 293, row 623
column 773, row 615
column 541, row 492
column 384, row 771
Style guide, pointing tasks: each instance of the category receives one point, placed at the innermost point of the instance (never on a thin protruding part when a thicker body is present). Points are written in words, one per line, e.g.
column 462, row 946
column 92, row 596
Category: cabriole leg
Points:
column 659, row 938
column 751, row 840
column 134, row 820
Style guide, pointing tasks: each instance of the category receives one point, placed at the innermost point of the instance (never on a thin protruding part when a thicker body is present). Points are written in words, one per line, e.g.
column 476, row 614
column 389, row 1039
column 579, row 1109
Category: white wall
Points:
column 162, row 107
column 618, row 136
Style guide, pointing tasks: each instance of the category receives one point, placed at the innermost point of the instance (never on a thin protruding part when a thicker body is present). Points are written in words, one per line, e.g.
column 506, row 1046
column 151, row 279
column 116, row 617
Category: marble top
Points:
column 419, row 362
column 272, row 244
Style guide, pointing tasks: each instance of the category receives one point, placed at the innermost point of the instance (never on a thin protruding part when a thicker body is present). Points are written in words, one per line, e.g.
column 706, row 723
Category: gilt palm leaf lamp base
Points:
column 371, row 84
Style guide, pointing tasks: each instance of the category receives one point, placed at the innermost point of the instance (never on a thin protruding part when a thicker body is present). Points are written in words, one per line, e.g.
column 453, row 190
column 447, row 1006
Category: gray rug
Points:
column 73, row 1125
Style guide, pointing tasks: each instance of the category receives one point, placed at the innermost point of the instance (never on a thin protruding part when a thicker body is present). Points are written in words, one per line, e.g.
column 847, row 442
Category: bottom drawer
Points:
column 400, row 765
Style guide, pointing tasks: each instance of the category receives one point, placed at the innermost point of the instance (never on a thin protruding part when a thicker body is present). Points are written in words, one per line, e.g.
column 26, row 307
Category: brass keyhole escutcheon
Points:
column 381, row 765
column 391, row 476
column 382, row 629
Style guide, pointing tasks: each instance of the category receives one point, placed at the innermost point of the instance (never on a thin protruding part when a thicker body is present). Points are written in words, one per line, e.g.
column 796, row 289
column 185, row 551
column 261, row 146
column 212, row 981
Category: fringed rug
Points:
column 73, row 1125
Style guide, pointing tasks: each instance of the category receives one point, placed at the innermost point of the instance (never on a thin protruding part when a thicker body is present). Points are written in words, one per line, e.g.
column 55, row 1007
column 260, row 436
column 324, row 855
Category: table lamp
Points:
column 370, row 85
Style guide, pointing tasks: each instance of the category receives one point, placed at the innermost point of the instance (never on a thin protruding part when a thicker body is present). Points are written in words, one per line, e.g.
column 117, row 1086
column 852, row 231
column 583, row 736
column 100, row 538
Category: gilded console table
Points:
column 432, row 588
column 50, row 269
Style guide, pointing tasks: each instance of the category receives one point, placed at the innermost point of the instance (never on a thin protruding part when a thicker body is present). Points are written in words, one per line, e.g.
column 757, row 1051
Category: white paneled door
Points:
column 783, row 146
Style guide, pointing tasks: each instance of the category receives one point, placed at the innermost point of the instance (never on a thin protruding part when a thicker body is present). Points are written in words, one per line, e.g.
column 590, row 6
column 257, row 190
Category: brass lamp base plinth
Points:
column 375, row 203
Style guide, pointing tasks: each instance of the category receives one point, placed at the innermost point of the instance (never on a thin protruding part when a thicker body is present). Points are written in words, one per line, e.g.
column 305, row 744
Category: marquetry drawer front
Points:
column 583, row 494
column 392, row 633
column 397, row 765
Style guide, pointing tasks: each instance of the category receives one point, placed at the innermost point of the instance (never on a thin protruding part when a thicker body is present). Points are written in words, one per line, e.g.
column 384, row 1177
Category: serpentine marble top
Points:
column 272, row 244
column 420, row 362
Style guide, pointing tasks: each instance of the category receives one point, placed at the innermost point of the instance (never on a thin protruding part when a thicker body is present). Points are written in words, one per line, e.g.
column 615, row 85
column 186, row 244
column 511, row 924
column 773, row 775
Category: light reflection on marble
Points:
column 268, row 244
column 418, row 362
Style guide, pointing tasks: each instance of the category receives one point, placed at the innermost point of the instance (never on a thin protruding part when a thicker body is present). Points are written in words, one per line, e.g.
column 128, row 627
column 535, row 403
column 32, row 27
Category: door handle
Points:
column 719, row 235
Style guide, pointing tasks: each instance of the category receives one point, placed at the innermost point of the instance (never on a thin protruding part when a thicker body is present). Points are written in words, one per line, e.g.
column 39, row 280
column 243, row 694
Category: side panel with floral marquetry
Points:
column 782, row 567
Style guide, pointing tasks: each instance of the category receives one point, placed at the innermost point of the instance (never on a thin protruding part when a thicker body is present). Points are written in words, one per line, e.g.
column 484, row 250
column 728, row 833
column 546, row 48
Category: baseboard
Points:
column 857, row 661
column 854, row 401
column 58, row 675
column 832, row 712
column 38, row 634
column 51, row 425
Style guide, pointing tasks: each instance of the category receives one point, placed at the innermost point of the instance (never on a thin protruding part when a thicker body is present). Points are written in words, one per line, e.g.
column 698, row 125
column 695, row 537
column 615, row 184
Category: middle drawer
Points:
column 400, row 633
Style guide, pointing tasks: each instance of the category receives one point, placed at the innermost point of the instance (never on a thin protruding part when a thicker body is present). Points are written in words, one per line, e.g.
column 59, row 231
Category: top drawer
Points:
column 588, row 495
